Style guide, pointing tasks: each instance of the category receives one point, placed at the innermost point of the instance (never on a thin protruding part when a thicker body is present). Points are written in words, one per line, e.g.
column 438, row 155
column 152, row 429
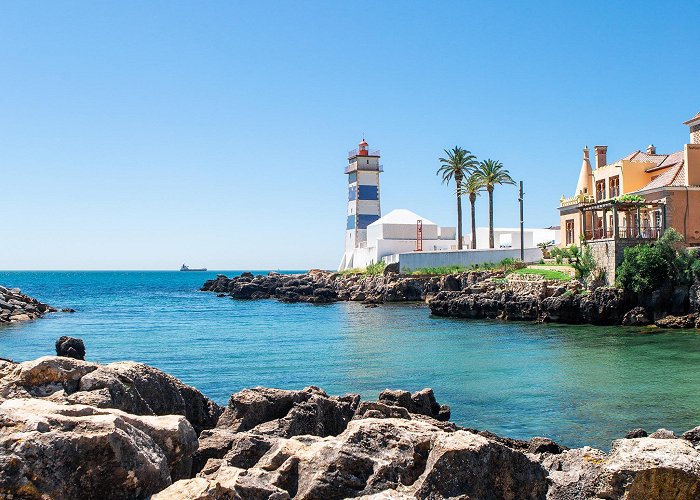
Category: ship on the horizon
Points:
column 186, row 268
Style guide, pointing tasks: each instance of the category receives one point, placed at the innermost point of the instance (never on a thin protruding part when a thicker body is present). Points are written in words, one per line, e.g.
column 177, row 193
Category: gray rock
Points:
column 636, row 433
column 50, row 450
column 70, row 347
column 663, row 434
column 693, row 435
column 636, row 316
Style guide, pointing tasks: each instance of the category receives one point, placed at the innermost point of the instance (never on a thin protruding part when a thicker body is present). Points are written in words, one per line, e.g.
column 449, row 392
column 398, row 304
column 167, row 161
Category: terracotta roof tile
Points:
column 674, row 176
column 679, row 179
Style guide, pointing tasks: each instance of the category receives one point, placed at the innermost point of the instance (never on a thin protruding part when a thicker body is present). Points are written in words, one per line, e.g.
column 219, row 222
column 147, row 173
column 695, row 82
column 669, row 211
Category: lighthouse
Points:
column 363, row 171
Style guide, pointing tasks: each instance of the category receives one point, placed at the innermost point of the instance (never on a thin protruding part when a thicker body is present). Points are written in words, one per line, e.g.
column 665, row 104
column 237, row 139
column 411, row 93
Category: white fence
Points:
column 418, row 260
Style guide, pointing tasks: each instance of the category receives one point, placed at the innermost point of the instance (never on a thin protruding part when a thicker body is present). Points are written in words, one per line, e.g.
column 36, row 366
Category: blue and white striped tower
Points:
column 363, row 198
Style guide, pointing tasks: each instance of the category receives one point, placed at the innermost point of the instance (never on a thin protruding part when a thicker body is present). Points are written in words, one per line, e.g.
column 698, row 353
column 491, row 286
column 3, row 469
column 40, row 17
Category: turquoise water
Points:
column 576, row 384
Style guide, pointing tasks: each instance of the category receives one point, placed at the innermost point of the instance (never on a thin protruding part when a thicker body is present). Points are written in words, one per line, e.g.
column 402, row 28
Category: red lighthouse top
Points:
column 362, row 149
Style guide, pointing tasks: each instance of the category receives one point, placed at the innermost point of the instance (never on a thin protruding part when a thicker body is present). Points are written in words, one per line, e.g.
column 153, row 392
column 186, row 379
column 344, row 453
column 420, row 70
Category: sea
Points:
column 579, row 385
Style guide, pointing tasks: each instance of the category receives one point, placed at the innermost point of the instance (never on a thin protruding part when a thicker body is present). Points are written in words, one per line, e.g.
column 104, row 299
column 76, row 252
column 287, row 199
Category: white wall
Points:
column 532, row 236
column 400, row 232
column 418, row 260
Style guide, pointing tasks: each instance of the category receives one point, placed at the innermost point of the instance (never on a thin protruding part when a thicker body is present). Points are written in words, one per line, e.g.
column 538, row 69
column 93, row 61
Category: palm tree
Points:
column 491, row 172
column 472, row 186
column 458, row 165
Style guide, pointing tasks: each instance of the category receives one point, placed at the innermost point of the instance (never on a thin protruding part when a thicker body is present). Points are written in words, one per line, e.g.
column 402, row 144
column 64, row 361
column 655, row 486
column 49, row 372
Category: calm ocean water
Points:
column 576, row 384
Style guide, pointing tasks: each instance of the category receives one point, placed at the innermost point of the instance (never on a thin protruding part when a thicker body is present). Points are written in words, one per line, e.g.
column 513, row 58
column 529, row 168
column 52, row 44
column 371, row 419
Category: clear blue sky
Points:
column 140, row 135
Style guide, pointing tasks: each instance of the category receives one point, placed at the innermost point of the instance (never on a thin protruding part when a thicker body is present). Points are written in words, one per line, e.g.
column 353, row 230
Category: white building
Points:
column 509, row 237
column 398, row 232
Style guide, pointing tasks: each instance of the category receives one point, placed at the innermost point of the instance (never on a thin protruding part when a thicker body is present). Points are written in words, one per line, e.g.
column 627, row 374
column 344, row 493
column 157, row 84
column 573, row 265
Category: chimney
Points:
column 651, row 149
column 601, row 154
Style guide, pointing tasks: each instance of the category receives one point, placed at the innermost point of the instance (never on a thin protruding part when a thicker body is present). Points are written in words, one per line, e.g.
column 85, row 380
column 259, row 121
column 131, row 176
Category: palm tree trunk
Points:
column 459, row 215
column 472, row 200
column 490, row 190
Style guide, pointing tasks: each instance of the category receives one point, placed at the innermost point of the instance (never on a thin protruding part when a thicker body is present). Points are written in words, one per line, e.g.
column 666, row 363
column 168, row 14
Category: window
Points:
column 600, row 190
column 570, row 232
column 614, row 186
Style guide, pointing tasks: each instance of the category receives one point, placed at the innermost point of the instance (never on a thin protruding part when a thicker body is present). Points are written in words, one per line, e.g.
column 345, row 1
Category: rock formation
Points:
column 70, row 347
column 15, row 306
column 74, row 429
column 321, row 287
column 477, row 294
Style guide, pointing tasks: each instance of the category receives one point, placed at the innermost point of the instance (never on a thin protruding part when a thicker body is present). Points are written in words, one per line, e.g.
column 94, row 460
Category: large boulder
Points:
column 132, row 387
column 644, row 468
column 409, row 458
column 275, row 412
column 420, row 402
column 142, row 389
column 49, row 450
column 70, row 347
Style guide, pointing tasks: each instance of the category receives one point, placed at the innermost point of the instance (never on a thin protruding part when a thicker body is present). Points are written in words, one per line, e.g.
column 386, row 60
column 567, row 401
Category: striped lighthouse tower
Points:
column 363, row 171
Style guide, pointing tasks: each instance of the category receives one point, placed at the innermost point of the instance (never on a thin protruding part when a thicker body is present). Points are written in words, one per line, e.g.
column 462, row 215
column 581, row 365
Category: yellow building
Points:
column 634, row 198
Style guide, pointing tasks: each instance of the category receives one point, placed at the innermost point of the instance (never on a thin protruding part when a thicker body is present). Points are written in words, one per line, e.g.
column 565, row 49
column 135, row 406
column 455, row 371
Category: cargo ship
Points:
column 185, row 268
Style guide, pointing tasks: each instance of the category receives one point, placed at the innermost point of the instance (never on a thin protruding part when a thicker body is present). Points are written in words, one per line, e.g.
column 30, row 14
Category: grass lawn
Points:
column 549, row 274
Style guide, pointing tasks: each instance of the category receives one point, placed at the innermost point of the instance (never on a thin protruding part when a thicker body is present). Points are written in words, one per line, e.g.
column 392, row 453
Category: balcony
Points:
column 624, row 233
column 579, row 199
column 623, row 220
column 355, row 152
column 372, row 168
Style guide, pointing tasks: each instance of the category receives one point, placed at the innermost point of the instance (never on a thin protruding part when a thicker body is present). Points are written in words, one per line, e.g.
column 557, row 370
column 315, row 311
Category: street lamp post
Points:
column 522, row 231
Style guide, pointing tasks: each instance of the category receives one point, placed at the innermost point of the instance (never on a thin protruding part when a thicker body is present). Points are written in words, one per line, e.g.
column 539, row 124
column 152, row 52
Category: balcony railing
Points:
column 624, row 233
column 353, row 168
column 371, row 152
column 576, row 200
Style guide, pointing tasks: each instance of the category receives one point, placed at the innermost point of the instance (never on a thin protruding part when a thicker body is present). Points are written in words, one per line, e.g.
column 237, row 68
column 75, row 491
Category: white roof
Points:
column 401, row 216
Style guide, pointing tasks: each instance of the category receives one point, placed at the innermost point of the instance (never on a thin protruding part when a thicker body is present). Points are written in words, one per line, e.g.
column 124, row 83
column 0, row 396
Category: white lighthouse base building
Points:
column 395, row 233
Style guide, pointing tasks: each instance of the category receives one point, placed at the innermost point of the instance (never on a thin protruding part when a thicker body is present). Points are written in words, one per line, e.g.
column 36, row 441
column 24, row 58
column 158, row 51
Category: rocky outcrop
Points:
column 637, row 316
column 686, row 321
column 320, row 287
column 74, row 429
column 131, row 387
column 648, row 468
column 375, row 456
column 533, row 299
column 50, row 450
column 15, row 306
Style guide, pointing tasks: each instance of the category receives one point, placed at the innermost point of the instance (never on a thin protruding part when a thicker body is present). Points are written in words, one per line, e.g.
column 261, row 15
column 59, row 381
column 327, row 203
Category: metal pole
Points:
column 522, row 233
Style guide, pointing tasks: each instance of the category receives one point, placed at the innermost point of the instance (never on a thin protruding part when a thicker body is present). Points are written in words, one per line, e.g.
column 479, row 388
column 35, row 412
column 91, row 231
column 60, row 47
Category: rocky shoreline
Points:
column 75, row 429
column 15, row 306
column 478, row 295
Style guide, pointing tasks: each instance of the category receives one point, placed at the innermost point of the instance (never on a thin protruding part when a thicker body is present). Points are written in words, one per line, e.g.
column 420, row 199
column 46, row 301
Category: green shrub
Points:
column 559, row 259
column 647, row 267
column 582, row 261
column 630, row 198
column 441, row 270
column 374, row 269
column 549, row 274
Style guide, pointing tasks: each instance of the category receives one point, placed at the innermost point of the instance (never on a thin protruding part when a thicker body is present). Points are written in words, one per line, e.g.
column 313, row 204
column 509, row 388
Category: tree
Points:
column 472, row 186
column 491, row 173
column 458, row 165
column 544, row 246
